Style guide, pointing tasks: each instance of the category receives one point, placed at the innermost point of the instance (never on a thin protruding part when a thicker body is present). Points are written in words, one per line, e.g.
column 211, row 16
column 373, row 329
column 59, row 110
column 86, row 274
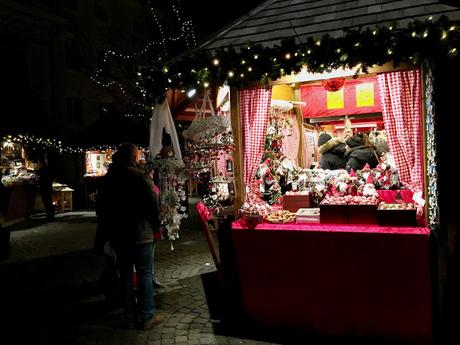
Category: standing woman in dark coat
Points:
column 361, row 152
column 127, row 210
column 332, row 152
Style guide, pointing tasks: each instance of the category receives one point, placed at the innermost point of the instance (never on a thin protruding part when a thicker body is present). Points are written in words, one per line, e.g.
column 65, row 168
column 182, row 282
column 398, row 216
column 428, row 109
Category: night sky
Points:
column 210, row 16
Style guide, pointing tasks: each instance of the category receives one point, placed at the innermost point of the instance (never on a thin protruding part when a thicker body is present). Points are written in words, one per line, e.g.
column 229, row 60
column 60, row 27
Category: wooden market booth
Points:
column 363, row 280
column 342, row 279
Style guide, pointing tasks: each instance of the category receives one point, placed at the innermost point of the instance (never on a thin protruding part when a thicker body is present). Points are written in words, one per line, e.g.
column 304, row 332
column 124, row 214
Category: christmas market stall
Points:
column 334, row 158
column 19, row 179
column 22, row 156
column 97, row 162
column 98, row 142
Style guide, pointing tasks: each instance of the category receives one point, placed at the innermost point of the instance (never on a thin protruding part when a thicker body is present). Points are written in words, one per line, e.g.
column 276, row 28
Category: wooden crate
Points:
column 397, row 217
column 362, row 214
column 333, row 214
column 292, row 203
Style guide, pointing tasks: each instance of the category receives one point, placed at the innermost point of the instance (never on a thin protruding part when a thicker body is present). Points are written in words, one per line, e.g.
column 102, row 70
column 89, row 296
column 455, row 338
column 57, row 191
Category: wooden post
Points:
column 423, row 73
column 298, row 113
column 237, row 131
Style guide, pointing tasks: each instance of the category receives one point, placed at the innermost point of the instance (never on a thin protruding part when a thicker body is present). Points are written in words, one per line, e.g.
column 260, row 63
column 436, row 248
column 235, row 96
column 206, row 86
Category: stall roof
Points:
column 275, row 20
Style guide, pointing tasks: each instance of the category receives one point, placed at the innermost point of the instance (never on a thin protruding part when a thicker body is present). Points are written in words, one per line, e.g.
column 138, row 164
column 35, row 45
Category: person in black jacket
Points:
column 332, row 152
column 361, row 152
column 127, row 216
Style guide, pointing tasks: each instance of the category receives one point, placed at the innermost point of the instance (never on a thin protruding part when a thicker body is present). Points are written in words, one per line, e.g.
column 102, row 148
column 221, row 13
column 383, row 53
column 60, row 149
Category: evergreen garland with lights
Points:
column 358, row 48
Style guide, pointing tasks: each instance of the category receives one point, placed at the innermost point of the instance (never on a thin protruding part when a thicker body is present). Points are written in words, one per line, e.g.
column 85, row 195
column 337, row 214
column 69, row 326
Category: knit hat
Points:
column 355, row 140
column 323, row 139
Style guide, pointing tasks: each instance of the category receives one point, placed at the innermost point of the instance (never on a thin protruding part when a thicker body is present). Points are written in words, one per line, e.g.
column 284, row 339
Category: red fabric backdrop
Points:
column 315, row 97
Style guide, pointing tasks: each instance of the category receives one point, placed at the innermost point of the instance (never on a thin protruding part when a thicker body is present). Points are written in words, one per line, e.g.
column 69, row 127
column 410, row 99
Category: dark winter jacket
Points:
column 127, row 209
column 332, row 155
column 358, row 156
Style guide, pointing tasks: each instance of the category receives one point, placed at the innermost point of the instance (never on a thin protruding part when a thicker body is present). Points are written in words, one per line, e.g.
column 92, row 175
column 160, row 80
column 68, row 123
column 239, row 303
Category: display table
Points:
column 17, row 201
column 364, row 281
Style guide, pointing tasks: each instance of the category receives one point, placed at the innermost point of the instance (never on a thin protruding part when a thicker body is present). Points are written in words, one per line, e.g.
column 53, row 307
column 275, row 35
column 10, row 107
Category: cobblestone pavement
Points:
column 50, row 291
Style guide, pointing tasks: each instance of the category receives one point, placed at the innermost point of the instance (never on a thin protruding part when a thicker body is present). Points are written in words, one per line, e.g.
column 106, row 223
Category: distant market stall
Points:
column 19, row 180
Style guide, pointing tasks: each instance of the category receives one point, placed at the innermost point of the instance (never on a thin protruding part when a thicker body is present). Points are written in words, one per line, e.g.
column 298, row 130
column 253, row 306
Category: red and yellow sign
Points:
column 357, row 96
column 365, row 95
column 335, row 99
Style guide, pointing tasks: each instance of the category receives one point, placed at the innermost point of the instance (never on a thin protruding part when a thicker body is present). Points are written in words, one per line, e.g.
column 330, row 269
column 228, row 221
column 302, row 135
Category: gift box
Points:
column 362, row 214
column 307, row 215
column 292, row 203
column 333, row 214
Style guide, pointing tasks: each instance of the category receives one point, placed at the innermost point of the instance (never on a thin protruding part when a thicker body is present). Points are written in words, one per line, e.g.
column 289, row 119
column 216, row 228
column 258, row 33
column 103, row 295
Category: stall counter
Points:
column 355, row 280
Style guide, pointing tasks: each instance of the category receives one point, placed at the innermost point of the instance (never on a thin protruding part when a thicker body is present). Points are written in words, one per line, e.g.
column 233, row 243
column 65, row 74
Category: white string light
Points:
column 186, row 33
column 54, row 144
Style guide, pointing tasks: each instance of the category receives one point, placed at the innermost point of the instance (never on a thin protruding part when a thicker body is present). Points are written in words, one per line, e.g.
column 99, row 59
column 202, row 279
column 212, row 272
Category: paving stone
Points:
column 194, row 335
column 181, row 338
column 207, row 329
column 154, row 336
column 154, row 342
column 207, row 341
column 182, row 326
column 167, row 341
column 168, row 330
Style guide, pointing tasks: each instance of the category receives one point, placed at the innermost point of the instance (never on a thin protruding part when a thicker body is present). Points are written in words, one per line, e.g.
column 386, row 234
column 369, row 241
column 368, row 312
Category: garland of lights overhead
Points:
column 57, row 145
column 358, row 48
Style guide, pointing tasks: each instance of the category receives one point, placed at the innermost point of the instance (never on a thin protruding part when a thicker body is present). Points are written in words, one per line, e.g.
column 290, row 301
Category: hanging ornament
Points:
column 333, row 85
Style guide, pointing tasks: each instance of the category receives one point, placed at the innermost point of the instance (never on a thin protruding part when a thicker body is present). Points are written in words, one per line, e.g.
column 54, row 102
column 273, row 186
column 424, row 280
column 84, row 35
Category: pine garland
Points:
column 358, row 48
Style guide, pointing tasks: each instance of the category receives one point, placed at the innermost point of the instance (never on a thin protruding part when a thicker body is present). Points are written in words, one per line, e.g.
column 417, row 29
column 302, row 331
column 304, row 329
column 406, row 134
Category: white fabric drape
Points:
column 162, row 119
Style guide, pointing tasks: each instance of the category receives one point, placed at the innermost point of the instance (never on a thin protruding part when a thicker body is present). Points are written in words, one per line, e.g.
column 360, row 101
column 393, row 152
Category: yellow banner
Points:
column 365, row 95
column 335, row 100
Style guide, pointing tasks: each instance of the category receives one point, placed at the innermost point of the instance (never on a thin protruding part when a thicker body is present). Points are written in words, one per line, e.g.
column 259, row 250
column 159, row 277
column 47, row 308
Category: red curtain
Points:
column 254, row 109
column 401, row 99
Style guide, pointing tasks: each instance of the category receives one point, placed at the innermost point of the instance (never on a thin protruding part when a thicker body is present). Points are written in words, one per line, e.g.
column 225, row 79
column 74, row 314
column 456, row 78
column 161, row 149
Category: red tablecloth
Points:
column 366, row 281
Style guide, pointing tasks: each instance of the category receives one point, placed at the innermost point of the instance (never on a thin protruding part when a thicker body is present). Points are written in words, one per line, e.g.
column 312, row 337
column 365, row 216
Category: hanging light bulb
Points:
column 191, row 93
